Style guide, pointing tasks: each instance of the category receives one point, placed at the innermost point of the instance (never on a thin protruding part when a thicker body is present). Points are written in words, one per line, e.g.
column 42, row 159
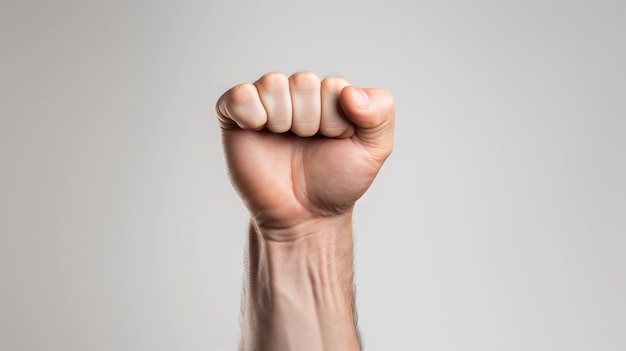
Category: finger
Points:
column 273, row 91
column 334, row 122
column 373, row 113
column 305, row 101
column 241, row 107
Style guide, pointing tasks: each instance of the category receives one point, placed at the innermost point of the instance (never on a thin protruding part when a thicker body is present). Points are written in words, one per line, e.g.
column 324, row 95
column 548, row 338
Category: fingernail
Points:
column 361, row 99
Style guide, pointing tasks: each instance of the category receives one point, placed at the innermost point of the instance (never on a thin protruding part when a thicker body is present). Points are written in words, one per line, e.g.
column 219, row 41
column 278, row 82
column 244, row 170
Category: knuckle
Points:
column 241, row 94
column 305, row 129
column 304, row 81
column 334, row 84
column 273, row 82
column 279, row 126
column 280, row 120
column 332, row 131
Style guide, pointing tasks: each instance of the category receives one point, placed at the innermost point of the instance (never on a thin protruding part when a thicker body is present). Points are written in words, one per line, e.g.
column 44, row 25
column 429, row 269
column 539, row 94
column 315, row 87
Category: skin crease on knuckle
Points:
column 273, row 82
column 304, row 82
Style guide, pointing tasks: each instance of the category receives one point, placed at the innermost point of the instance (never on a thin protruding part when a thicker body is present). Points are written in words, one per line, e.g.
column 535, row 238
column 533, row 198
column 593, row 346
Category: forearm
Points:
column 298, row 294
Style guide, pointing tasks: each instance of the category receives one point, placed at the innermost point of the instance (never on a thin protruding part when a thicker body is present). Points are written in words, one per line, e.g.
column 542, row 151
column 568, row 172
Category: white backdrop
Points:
column 499, row 223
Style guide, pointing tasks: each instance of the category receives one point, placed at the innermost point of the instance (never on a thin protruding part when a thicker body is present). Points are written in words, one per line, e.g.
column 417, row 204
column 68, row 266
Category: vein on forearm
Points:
column 300, row 287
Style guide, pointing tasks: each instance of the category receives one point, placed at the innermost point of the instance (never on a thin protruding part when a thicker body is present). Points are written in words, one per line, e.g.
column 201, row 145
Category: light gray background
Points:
column 499, row 223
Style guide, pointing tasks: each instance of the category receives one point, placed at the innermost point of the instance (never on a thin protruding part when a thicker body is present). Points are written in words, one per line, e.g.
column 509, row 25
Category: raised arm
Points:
column 300, row 152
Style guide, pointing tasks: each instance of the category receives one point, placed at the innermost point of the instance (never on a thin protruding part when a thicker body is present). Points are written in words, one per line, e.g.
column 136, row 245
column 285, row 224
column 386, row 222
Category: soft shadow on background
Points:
column 499, row 223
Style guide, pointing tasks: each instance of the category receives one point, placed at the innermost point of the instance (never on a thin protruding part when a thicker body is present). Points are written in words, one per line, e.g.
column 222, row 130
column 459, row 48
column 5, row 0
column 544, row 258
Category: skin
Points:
column 301, row 151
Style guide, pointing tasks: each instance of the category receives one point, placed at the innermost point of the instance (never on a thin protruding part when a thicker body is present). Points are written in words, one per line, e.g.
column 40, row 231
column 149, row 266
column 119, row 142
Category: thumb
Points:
column 372, row 111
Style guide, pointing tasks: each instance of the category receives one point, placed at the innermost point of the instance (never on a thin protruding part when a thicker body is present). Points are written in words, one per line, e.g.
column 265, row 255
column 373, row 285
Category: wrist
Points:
column 321, row 228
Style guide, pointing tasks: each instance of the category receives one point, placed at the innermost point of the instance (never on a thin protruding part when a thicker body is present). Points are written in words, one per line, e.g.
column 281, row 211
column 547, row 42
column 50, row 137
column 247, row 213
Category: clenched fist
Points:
column 302, row 150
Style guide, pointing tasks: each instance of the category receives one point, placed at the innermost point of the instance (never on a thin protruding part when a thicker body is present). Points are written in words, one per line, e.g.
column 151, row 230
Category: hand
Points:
column 300, row 150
